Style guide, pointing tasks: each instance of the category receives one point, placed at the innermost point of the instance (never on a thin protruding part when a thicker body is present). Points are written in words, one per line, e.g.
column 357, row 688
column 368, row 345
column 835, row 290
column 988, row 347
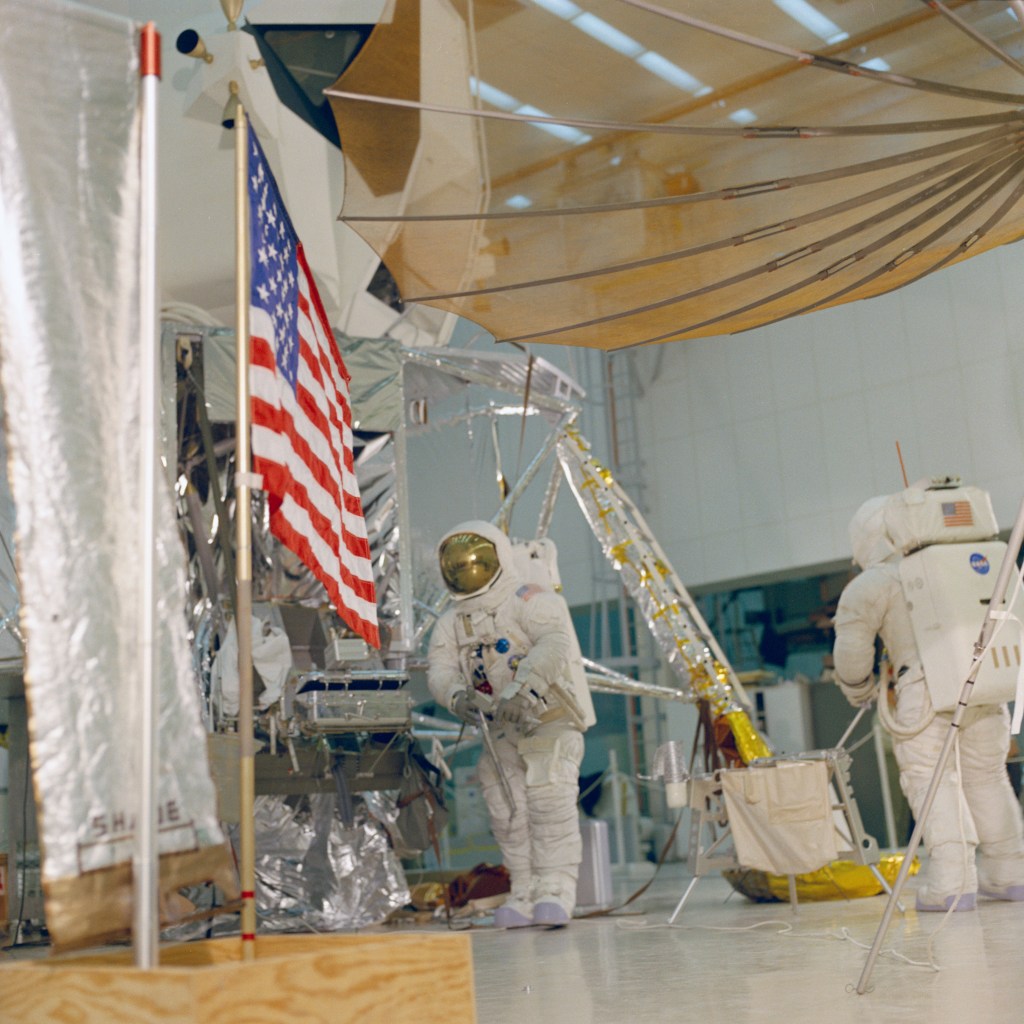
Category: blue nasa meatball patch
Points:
column 979, row 563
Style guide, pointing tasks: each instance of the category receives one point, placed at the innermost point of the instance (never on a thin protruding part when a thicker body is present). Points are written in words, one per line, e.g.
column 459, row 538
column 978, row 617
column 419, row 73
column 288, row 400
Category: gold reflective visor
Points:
column 468, row 562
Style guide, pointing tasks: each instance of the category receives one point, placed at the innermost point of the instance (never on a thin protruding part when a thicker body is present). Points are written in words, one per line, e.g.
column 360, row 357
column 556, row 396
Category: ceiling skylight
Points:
column 615, row 40
column 564, row 9
column 599, row 29
column 672, row 73
column 813, row 20
column 489, row 94
column 502, row 100
column 876, row 64
column 560, row 131
column 519, row 202
column 743, row 116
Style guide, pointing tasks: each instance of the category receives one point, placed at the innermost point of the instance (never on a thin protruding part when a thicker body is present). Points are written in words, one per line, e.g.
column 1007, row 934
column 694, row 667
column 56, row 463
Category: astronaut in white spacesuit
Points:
column 506, row 649
column 975, row 809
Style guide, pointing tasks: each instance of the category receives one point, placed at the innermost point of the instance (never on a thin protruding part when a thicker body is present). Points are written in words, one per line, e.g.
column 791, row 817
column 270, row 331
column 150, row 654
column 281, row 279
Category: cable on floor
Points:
column 784, row 928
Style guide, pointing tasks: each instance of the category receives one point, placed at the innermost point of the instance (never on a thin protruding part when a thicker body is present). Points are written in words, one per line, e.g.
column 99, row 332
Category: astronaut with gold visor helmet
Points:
column 506, row 648
column 469, row 563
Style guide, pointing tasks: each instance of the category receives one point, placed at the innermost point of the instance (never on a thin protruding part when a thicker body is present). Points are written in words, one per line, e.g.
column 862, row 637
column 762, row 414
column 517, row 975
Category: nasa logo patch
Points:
column 979, row 563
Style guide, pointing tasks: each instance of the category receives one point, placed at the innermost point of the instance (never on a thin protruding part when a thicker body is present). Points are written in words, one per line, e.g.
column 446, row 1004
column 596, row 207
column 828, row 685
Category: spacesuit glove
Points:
column 464, row 707
column 531, row 682
column 513, row 710
column 861, row 693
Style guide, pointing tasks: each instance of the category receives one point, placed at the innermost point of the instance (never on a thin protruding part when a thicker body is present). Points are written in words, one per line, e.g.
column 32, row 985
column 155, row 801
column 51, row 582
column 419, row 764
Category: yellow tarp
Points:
column 840, row 880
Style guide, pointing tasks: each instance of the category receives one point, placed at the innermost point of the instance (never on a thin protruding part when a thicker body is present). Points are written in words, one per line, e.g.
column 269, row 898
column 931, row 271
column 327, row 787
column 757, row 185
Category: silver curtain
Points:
column 69, row 341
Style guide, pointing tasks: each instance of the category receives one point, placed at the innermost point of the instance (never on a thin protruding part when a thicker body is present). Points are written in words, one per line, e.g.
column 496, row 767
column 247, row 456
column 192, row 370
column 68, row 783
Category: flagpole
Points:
column 146, row 865
column 243, row 544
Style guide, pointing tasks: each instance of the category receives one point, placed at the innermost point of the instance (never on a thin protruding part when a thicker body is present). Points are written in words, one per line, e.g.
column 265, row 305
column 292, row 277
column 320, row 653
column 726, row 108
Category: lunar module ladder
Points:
column 709, row 849
column 670, row 613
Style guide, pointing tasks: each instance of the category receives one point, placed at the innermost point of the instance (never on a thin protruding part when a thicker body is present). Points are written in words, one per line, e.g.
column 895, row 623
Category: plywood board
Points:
column 309, row 978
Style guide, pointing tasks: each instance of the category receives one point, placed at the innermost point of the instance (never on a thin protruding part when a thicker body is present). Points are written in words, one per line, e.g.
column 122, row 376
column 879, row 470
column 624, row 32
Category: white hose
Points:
column 899, row 732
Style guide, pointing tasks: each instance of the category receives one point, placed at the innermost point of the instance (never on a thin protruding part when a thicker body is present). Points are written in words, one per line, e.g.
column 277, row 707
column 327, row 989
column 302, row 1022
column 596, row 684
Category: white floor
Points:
column 729, row 960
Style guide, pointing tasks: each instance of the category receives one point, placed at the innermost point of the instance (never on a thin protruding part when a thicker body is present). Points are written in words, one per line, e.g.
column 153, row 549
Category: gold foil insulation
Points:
column 673, row 619
column 840, row 880
column 749, row 742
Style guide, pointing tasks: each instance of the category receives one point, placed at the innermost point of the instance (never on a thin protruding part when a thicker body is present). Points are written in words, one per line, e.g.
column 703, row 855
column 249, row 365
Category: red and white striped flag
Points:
column 957, row 513
column 301, row 416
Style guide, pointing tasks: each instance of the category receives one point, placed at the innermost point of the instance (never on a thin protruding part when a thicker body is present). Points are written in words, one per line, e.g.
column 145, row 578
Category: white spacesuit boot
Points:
column 511, row 828
column 553, row 755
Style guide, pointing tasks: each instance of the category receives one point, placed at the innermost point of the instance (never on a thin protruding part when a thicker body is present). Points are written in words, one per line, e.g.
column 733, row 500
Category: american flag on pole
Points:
column 301, row 416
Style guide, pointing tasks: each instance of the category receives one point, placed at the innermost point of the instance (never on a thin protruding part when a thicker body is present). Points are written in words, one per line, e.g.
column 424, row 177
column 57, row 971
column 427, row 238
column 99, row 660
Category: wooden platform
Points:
column 373, row 979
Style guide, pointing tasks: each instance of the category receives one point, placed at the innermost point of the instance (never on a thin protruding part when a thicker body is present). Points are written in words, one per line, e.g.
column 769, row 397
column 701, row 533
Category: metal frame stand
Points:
column 996, row 611
column 709, row 818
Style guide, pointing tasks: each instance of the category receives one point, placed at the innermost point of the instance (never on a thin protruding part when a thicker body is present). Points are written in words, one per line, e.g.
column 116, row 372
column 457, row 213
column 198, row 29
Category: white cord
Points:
column 643, row 925
column 782, row 928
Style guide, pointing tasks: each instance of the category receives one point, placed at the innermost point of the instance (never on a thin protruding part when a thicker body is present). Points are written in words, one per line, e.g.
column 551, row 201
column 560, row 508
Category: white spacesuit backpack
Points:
column 948, row 572
column 537, row 562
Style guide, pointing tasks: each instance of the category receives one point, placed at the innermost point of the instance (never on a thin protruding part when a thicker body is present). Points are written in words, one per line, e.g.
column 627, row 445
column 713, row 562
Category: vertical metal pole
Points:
column 243, row 545
column 620, row 835
column 145, row 859
column 883, row 777
column 407, row 631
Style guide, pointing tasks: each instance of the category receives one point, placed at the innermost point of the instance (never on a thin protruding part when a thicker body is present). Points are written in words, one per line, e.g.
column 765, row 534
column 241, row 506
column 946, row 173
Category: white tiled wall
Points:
column 759, row 447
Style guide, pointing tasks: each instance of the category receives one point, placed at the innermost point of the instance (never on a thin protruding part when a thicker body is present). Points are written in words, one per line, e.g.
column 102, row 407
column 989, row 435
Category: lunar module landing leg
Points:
column 672, row 617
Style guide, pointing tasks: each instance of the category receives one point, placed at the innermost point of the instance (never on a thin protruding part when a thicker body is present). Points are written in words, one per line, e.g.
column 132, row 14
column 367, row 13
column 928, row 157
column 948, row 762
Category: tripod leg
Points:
column 886, row 886
column 683, row 899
